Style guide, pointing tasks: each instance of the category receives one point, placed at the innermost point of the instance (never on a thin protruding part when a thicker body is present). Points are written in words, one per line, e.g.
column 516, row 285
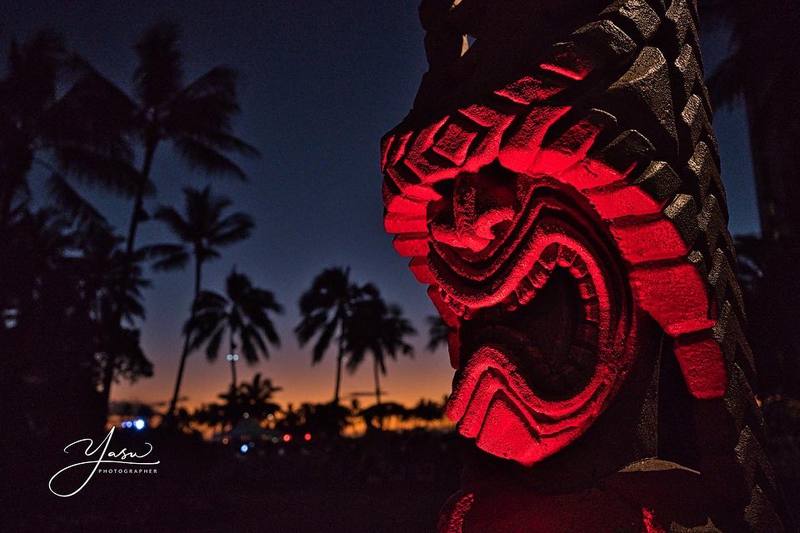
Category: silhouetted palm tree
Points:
column 427, row 410
column 381, row 411
column 764, row 68
column 248, row 400
column 771, row 291
column 115, row 279
column 255, row 397
column 78, row 132
column 243, row 315
column 327, row 419
column 379, row 329
column 81, row 283
column 203, row 228
column 437, row 332
column 194, row 117
column 325, row 309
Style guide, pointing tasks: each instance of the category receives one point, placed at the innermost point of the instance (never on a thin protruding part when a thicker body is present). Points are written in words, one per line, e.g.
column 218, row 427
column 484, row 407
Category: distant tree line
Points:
column 71, row 284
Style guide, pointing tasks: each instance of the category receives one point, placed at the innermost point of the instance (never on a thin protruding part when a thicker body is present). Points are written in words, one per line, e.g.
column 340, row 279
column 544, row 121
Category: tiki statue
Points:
column 557, row 187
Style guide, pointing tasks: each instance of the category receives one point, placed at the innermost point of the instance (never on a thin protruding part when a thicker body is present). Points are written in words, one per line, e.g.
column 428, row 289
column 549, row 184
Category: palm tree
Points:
column 255, row 397
column 427, row 410
column 382, row 411
column 325, row 309
column 78, row 132
column 243, row 315
column 248, row 400
column 115, row 280
column 203, row 229
column 771, row 290
column 438, row 331
column 195, row 117
column 379, row 329
column 764, row 68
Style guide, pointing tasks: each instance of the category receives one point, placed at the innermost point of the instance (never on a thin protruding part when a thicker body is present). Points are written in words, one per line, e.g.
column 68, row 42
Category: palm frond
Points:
column 77, row 207
column 214, row 342
column 97, row 169
column 309, row 325
column 728, row 81
column 159, row 74
column 170, row 257
column 175, row 222
column 234, row 228
column 323, row 342
column 204, row 109
column 201, row 156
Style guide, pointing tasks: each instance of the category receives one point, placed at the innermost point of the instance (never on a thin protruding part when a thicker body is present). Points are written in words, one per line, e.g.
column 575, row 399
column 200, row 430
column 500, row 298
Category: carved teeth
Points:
column 578, row 268
column 565, row 256
column 457, row 307
column 549, row 257
column 591, row 310
column 539, row 276
column 587, row 290
column 525, row 292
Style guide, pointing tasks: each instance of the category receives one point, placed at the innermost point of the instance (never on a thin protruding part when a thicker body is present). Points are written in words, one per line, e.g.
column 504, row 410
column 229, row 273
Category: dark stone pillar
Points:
column 557, row 187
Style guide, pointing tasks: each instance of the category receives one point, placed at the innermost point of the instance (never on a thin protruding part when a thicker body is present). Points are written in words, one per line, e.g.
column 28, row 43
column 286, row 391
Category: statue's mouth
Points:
column 538, row 350
column 548, row 326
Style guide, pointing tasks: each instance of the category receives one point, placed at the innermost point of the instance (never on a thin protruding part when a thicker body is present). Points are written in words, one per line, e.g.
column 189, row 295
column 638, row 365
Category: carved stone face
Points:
column 542, row 312
column 557, row 188
column 546, row 231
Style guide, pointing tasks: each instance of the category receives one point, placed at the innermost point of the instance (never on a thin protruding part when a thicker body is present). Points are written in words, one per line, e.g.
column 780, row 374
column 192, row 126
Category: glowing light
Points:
column 243, row 448
column 139, row 424
column 287, row 437
column 232, row 357
column 307, row 437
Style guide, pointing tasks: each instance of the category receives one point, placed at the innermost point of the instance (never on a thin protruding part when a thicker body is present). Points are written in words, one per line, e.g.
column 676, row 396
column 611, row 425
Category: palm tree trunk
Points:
column 5, row 207
column 233, row 374
column 233, row 364
column 150, row 151
column 339, row 359
column 108, row 378
column 378, row 392
column 185, row 354
column 377, row 383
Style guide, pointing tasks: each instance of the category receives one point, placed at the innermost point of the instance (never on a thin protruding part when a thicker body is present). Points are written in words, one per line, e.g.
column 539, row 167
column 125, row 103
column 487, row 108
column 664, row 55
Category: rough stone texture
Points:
column 557, row 187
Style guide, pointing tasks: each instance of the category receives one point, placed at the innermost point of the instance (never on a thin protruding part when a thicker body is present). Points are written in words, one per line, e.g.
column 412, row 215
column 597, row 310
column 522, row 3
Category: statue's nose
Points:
column 470, row 217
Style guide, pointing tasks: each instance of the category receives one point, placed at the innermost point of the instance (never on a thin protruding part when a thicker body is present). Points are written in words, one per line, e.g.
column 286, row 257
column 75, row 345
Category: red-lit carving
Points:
column 494, row 240
column 554, row 226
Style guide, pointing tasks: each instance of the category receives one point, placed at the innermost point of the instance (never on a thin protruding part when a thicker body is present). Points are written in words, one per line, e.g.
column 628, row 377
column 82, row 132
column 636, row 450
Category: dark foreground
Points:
column 383, row 482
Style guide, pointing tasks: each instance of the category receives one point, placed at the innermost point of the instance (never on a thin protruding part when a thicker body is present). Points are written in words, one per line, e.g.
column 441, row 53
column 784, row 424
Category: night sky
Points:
column 321, row 81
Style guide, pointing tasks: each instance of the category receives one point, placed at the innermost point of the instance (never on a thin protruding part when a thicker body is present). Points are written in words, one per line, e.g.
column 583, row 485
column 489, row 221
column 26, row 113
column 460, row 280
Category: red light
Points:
column 287, row 437
column 307, row 437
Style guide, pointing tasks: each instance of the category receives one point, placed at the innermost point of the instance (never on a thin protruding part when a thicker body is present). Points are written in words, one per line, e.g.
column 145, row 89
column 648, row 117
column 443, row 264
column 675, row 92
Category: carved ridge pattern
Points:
column 653, row 182
column 510, row 127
